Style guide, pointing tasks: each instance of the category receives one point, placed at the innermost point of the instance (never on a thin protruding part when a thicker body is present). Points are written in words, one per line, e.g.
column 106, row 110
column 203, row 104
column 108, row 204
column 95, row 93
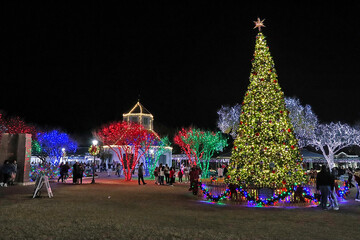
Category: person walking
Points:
column 66, row 171
column 141, row 174
column 324, row 183
column 61, row 171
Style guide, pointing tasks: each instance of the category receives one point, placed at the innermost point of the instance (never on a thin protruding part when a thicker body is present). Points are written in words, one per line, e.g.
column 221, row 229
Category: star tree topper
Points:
column 259, row 23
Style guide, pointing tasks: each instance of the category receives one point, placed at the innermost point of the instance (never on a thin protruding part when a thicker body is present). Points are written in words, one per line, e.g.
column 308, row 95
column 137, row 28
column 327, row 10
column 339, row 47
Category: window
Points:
column 134, row 119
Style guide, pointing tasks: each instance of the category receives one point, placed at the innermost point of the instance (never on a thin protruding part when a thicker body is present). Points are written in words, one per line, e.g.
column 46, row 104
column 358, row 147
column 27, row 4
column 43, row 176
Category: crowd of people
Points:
column 326, row 184
column 8, row 173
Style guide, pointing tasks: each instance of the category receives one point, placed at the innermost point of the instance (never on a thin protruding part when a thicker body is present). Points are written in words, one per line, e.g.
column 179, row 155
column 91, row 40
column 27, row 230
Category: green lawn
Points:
column 114, row 209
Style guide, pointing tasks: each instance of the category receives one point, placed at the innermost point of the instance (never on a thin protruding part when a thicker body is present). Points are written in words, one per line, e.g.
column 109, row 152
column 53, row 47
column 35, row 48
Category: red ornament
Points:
column 292, row 146
column 289, row 130
column 257, row 134
column 284, row 182
column 262, row 79
column 274, row 81
column 241, row 122
column 281, row 111
column 254, row 73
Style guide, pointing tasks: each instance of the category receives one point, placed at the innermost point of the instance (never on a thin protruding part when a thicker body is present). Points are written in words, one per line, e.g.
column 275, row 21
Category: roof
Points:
column 138, row 109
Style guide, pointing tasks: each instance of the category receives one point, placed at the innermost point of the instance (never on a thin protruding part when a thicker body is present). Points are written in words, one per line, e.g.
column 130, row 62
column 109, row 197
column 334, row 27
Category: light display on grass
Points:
column 266, row 152
column 129, row 141
column 51, row 144
column 200, row 146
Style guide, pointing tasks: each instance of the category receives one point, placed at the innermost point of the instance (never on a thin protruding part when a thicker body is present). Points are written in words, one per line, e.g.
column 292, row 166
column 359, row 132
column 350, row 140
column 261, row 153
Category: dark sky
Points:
column 79, row 65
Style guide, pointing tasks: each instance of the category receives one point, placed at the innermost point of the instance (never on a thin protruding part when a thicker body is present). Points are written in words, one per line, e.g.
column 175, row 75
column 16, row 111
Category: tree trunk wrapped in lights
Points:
column 265, row 152
column 129, row 141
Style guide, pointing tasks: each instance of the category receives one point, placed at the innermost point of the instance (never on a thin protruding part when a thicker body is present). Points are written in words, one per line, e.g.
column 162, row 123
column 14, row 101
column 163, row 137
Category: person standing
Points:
column 75, row 172
column 357, row 180
column 332, row 194
column 162, row 174
column 180, row 175
column 13, row 167
column 118, row 169
column 156, row 175
column 6, row 171
column 350, row 176
column 172, row 176
column 81, row 170
column 186, row 173
column 141, row 174
column 167, row 174
column 324, row 182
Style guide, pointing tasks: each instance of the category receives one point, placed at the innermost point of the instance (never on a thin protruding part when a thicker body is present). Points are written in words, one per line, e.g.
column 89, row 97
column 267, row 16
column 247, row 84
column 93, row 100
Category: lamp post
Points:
column 94, row 153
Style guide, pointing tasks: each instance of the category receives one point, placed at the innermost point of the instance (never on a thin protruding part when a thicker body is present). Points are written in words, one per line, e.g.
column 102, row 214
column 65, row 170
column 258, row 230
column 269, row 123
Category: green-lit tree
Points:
column 265, row 152
column 200, row 146
column 157, row 150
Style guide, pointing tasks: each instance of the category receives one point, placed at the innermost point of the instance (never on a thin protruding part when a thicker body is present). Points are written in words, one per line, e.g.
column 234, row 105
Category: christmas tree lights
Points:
column 265, row 152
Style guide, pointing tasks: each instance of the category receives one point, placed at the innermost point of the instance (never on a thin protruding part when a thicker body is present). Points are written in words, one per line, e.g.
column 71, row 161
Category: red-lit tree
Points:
column 16, row 125
column 129, row 141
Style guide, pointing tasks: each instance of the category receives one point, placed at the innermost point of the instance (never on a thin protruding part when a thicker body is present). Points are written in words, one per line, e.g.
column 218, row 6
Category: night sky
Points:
column 76, row 66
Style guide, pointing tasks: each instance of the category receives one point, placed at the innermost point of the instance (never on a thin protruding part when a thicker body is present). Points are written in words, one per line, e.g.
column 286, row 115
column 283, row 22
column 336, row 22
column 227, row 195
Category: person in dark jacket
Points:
column 6, row 173
column 141, row 174
column 324, row 183
column 75, row 172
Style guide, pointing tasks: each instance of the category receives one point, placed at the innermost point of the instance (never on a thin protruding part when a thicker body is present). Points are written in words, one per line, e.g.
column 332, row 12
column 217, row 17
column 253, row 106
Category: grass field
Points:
column 114, row 209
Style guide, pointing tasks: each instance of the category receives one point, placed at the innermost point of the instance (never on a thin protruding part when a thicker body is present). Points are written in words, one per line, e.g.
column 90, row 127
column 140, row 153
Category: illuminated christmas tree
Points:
column 265, row 152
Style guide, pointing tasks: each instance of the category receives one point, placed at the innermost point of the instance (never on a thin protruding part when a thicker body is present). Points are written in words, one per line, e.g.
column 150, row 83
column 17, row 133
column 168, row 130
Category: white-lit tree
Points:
column 331, row 138
column 302, row 118
column 229, row 118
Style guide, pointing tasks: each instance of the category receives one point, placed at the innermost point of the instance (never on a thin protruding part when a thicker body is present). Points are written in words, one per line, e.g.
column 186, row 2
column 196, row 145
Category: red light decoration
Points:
column 130, row 141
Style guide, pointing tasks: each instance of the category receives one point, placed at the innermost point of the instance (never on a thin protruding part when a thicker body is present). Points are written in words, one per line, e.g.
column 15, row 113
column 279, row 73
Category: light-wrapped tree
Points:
column 331, row 138
column 129, row 141
column 265, row 152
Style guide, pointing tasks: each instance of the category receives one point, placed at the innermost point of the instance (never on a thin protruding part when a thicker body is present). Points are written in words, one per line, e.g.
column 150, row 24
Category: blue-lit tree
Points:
column 52, row 143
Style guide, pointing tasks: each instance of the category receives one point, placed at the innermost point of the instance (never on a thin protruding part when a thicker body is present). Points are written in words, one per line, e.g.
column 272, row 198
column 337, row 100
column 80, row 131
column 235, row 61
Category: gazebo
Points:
column 139, row 114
